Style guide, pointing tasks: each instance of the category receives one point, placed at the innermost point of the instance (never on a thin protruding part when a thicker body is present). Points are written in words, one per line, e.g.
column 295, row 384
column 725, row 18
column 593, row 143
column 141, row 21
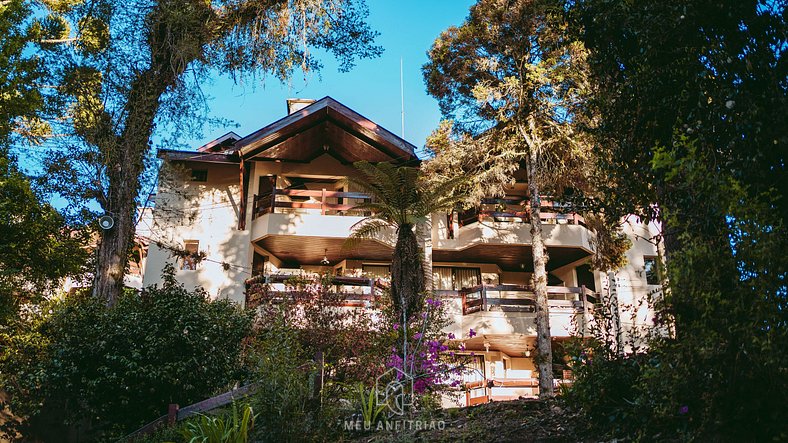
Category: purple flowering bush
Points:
column 428, row 357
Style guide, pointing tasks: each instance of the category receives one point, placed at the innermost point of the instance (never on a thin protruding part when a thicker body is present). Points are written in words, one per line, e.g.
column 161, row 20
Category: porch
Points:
column 352, row 292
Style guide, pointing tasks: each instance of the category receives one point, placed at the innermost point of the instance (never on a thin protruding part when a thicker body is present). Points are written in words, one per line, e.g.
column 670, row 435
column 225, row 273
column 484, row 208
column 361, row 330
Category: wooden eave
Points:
column 196, row 156
column 226, row 140
column 356, row 137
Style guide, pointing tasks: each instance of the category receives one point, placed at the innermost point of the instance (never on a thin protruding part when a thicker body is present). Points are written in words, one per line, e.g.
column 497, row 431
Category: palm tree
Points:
column 401, row 200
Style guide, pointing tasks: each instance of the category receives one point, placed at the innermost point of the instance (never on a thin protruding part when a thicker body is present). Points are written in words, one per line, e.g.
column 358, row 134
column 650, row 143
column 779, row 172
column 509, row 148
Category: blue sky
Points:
column 407, row 30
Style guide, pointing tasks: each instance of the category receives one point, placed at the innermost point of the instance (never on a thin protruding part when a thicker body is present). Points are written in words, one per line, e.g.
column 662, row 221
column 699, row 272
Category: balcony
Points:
column 284, row 218
column 517, row 298
column 499, row 231
column 323, row 202
column 511, row 309
column 350, row 292
column 517, row 210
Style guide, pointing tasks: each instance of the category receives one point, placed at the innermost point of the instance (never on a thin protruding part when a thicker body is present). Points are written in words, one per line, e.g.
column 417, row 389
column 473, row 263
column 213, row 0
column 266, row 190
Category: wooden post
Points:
column 484, row 298
column 318, row 379
column 584, row 300
column 323, row 202
column 273, row 194
column 242, row 207
column 172, row 414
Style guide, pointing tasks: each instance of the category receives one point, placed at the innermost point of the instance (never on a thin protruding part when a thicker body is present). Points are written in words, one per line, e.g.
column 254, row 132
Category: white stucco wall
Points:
column 214, row 208
column 635, row 296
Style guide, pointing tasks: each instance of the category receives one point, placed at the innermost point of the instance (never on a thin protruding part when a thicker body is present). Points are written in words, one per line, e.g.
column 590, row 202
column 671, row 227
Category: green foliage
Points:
column 691, row 98
column 402, row 199
column 77, row 362
column 231, row 427
column 37, row 249
column 608, row 390
column 285, row 400
column 610, row 244
column 166, row 434
column 20, row 101
column 370, row 409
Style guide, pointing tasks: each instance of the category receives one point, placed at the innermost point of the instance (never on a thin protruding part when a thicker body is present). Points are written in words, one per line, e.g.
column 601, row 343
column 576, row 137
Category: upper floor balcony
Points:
column 506, row 221
column 322, row 202
column 328, row 216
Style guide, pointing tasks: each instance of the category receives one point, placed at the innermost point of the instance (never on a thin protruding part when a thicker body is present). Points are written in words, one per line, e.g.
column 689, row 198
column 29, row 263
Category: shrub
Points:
column 289, row 407
column 105, row 371
column 231, row 427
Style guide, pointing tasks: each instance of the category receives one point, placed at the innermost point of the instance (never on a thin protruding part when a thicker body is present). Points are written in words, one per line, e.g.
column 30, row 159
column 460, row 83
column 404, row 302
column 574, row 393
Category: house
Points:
column 275, row 203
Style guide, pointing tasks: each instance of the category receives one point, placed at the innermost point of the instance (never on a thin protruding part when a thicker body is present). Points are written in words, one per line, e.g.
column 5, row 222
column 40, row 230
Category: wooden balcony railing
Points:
column 259, row 286
column 317, row 200
column 516, row 298
column 518, row 210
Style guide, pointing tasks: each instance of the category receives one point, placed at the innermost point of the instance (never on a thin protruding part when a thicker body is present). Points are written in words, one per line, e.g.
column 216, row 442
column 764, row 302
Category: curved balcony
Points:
column 510, row 309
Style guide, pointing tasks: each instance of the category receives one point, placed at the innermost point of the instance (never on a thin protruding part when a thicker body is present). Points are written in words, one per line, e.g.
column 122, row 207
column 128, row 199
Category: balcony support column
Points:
column 243, row 184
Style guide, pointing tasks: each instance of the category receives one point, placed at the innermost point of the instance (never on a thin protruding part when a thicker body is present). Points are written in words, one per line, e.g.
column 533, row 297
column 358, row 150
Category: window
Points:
column 189, row 262
column 445, row 278
column 651, row 270
column 376, row 271
column 199, row 175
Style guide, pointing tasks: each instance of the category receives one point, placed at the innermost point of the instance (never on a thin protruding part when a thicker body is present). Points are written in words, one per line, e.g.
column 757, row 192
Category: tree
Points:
column 401, row 199
column 37, row 249
column 127, row 70
column 691, row 99
column 512, row 78
column 20, row 101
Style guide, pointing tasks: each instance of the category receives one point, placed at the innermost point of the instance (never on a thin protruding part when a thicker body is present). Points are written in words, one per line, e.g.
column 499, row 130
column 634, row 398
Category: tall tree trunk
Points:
column 125, row 162
column 407, row 274
column 545, row 353
column 615, row 313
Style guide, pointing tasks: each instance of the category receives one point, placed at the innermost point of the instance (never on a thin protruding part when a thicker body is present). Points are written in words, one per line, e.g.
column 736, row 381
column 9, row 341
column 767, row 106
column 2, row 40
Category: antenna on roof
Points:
column 402, row 96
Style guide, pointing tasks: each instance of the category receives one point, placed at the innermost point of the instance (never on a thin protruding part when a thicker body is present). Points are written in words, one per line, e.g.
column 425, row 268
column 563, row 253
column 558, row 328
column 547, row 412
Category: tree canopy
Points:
column 690, row 99
column 511, row 79
column 122, row 70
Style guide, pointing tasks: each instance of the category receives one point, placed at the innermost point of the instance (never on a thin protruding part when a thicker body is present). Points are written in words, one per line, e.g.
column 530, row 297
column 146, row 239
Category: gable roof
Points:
column 325, row 126
column 219, row 144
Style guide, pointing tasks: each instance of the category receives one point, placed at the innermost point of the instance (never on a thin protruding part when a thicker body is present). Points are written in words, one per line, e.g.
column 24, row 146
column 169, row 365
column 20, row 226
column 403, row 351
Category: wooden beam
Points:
column 244, row 182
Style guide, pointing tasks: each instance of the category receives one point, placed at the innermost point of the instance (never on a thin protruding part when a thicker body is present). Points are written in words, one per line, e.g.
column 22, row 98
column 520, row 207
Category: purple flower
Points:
column 683, row 410
column 433, row 302
column 451, row 336
column 417, row 336
column 396, row 326
column 471, row 333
